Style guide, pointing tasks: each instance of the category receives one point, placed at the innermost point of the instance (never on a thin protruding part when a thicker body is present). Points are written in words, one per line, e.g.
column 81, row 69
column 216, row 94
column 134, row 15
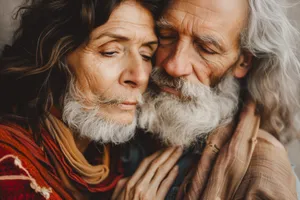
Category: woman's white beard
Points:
column 180, row 122
column 88, row 122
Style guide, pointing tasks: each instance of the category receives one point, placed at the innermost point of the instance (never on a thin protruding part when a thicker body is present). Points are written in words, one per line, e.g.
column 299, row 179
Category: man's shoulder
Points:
column 269, row 148
column 267, row 139
column 269, row 171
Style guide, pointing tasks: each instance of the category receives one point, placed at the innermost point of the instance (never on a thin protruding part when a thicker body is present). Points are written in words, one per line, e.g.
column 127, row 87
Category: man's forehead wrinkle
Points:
column 213, row 8
column 194, row 5
column 186, row 23
column 192, row 9
column 131, row 23
column 216, row 6
column 188, row 14
column 180, row 22
column 192, row 29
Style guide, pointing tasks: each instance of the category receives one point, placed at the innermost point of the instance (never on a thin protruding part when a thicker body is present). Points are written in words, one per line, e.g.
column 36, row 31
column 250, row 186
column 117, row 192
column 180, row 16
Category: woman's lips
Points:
column 170, row 90
column 128, row 105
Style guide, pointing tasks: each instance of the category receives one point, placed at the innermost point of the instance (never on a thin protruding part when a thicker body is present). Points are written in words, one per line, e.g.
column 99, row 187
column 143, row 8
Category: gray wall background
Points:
column 7, row 26
column 294, row 13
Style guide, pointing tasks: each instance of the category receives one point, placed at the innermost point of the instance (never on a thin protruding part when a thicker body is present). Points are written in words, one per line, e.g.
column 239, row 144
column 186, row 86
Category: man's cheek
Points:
column 161, row 55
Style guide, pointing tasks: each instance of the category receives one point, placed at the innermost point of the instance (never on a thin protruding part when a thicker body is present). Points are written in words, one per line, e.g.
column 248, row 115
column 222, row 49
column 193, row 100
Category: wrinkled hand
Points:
column 152, row 179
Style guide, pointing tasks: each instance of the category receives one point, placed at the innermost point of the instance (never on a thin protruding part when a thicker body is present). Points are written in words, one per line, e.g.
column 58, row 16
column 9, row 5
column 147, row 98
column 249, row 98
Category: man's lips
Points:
column 128, row 105
column 171, row 91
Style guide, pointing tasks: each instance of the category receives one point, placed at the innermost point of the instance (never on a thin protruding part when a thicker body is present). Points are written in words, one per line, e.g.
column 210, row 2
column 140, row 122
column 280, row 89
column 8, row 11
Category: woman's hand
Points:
column 152, row 179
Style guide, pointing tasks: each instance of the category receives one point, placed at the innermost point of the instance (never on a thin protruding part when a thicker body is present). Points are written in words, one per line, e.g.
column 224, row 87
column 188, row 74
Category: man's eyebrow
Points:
column 211, row 40
column 163, row 23
column 151, row 44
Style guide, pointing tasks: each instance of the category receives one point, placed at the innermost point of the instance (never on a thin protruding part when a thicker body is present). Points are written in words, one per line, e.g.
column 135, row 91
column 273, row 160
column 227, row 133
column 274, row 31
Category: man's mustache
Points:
column 188, row 91
column 161, row 78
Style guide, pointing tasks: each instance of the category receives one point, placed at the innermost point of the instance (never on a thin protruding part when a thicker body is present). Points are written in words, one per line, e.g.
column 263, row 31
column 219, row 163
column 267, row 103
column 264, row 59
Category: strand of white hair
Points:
column 273, row 80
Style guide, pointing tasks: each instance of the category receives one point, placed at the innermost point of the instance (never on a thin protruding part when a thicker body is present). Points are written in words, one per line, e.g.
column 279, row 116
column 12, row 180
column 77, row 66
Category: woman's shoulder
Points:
column 25, row 171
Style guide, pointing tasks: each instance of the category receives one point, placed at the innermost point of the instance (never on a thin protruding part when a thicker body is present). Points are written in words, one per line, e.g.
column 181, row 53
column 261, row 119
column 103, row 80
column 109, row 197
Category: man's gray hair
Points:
column 273, row 81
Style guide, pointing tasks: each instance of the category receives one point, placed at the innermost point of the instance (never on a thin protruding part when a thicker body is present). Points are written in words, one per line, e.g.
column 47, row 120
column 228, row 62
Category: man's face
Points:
column 195, row 88
column 110, row 73
column 199, row 39
column 112, row 69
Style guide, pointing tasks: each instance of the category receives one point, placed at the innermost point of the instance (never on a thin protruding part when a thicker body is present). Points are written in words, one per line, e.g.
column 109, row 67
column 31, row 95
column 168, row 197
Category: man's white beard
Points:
column 88, row 122
column 200, row 109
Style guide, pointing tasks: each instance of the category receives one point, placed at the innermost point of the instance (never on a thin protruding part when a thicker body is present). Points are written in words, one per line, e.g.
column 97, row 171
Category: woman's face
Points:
column 112, row 69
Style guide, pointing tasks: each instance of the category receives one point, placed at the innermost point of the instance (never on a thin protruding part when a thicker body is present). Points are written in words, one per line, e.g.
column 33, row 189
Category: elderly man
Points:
column 226, row 91
column 70, row 83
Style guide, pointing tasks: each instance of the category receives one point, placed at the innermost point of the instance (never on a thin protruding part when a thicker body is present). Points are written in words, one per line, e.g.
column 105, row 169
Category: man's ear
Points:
column 243, row 65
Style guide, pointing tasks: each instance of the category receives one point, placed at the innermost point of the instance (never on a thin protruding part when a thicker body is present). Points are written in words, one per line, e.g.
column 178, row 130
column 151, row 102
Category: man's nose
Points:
column 177, row 63
column 136, row 73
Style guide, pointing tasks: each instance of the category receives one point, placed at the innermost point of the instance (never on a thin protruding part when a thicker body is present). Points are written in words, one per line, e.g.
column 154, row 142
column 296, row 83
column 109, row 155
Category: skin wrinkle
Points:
column 163, row 24
column 205, row 19
column 130, row 34
column 178, row 8
column 135, row 40
column 189, row 11
column 114, row 25
column 83, row 84
column 89, row 79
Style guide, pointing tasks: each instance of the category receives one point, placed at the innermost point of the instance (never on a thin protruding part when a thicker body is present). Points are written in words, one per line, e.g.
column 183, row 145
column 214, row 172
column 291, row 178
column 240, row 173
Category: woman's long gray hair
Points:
column 273, row 81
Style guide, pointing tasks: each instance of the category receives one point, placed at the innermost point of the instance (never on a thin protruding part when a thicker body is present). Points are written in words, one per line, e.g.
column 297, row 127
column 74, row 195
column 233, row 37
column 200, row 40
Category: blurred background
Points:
column 294, row 146
column 7, row 26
